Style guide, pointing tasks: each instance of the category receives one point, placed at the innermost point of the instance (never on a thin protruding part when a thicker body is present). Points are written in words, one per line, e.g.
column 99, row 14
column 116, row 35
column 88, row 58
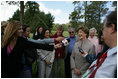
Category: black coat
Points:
column 11, row 65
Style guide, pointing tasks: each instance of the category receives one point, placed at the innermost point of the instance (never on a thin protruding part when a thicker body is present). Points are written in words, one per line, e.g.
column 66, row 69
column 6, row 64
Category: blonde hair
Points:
column 10, row 32
column 3, row 24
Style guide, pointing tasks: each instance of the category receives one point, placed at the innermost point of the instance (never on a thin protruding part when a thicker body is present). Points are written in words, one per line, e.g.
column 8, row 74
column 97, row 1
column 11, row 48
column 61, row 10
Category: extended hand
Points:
column 59, row 38
column 58, row 46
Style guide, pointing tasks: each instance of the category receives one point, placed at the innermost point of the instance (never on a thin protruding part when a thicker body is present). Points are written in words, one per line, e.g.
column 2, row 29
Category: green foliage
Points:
column 90, row 11
column 65, row 26
column 34, row 17
column 114, row 4
column 96, row 11
column 31, row 35
column 15, row 16
column 13, row 2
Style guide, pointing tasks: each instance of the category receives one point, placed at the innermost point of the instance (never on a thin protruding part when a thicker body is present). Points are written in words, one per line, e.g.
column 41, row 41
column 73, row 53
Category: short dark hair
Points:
column 60, row 28
column 112, row 19
column 84, row 29
column 25, row 27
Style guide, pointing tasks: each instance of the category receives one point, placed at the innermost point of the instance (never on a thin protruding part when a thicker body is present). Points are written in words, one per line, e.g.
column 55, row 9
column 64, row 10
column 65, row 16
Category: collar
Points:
column 72, row 37
column 93, row 37
column 112, row 51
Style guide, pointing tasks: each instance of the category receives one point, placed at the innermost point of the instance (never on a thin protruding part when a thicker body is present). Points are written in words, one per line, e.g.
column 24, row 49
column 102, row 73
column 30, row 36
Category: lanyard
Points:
column 98, row 64
column 92, row 70
column 98, row 61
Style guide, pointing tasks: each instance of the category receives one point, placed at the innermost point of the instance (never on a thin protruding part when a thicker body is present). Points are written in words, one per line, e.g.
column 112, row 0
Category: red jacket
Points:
column 59, row 50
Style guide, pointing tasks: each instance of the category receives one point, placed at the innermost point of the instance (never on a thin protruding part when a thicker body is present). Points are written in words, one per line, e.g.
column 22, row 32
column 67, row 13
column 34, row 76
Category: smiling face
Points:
column 40, row 30
column 19, row 31
column 92, row 33
column 59, row 32
column 82, row 35
column 27, row 32
column 71, row 33
column 47, row 34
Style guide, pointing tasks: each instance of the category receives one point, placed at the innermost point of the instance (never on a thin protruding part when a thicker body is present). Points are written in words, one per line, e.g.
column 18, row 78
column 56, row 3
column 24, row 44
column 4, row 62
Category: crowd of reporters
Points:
column 19, row 51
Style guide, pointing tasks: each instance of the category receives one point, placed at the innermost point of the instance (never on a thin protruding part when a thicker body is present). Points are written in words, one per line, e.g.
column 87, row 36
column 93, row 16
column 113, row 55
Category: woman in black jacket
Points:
column 13, row 45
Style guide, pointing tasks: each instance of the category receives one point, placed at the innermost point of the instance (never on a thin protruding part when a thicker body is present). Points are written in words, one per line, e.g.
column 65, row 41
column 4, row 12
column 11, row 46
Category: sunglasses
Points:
column 71, row 32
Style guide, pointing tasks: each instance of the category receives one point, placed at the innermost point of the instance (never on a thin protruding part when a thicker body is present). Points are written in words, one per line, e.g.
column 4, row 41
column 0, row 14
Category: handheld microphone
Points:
column 65, row 42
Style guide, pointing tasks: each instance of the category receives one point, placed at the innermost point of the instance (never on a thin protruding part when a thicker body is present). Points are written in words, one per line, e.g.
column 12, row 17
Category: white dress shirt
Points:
column 108, row 67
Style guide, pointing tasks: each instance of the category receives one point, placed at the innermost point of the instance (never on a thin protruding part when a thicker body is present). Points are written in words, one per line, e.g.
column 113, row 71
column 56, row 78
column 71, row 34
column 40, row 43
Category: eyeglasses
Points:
column 71, row 32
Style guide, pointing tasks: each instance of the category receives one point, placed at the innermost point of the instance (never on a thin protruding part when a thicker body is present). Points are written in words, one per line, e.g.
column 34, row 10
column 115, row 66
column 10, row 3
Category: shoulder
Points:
column 76, row 43
column 95, row 37
column 21, row 39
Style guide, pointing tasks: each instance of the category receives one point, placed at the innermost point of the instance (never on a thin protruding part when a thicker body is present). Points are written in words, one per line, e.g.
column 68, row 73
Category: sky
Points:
column 59, row 9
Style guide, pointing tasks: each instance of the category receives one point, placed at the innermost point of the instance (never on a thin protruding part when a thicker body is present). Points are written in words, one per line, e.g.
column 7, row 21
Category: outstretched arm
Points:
column 46, row 41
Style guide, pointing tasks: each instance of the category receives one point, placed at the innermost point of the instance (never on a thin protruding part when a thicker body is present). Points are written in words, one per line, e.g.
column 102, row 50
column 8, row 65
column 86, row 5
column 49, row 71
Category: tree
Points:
column 90, row 11
column 21, row 8
column 34, row 17
column 55, row 26
column 95, row 12
column 79, row 11
column 114, row 4
column 16, row 16
column 22, row 12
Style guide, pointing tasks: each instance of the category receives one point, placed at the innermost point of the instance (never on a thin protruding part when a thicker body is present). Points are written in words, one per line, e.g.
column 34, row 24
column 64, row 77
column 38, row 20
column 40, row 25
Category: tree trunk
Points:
column 85, row 11
column 99, row 16
column 22, row 12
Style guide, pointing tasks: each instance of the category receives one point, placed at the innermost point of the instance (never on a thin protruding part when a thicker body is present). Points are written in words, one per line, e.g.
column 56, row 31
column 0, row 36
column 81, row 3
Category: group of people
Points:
column 98, row 60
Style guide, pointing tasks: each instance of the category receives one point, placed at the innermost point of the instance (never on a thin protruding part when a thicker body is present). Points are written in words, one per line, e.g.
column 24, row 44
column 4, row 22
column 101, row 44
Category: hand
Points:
column 58, row 46
column 47, row 62
column 59, row 38
column 76, row 71
column 84, row 53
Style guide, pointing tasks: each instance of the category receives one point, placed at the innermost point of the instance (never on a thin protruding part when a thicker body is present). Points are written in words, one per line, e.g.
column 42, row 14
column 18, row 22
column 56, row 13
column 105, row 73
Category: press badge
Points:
column 89, row 71
column 86, row 74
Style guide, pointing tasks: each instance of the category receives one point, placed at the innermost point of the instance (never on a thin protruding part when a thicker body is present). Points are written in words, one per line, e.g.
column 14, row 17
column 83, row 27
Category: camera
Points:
column 65, row 42
column 80, row 50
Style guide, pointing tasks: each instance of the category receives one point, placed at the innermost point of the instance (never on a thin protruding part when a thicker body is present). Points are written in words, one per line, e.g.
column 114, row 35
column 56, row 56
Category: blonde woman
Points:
column 13, row 45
